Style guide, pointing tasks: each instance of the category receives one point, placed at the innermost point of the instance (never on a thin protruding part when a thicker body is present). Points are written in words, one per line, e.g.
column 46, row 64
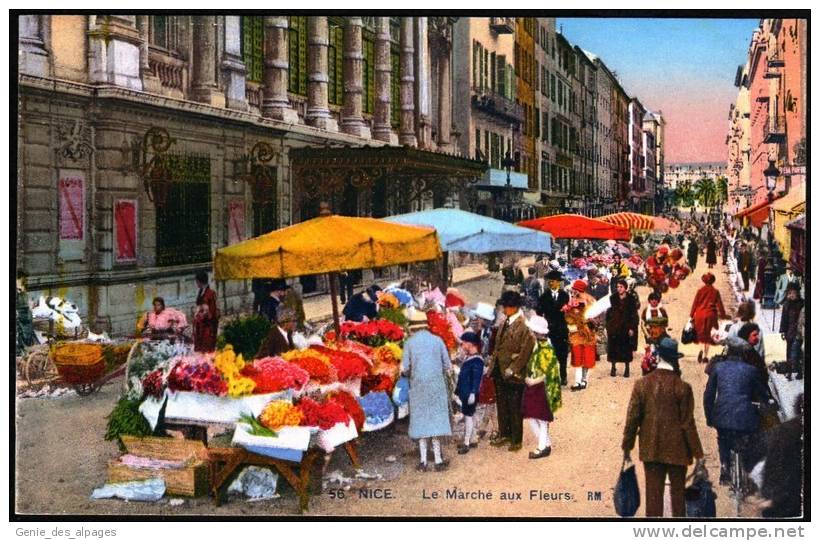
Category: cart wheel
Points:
column 38, row 365
column 85, row 389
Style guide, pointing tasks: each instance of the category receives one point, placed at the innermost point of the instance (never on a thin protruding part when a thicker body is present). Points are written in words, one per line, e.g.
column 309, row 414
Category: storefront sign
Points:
column 236, row 221
column 793, row 170
column 71, row 189
column 125, row 230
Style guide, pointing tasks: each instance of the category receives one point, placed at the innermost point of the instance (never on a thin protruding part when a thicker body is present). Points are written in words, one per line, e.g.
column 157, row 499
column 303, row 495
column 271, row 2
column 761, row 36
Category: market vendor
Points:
column 618, row 269
column 162, row 322
column 206, row 316
column 280, row 336
column 362, row 305
column 270, row 305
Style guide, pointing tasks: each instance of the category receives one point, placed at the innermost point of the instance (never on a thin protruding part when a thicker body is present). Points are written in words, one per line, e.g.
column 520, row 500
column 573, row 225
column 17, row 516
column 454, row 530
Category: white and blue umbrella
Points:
column 461, row 231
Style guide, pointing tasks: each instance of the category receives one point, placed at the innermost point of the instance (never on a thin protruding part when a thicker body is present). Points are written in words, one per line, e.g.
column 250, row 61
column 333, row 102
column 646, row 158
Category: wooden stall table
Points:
column 225, row 461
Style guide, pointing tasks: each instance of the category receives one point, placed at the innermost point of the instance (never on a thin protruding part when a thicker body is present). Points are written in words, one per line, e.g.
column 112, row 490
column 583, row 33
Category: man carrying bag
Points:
column 661, row 414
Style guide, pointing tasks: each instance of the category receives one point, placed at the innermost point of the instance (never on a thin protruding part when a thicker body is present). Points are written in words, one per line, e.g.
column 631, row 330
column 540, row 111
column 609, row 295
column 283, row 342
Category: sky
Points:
column 682, row 67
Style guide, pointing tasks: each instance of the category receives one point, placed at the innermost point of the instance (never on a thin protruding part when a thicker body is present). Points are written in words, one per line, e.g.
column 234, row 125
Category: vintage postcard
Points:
column 361, row 265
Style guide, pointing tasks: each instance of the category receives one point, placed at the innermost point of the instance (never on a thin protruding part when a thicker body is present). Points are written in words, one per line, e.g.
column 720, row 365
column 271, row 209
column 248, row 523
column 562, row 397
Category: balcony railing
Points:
column 774, row 130
column 502, row 25
column 495, row 104
column 775, row 58
column 170, row 71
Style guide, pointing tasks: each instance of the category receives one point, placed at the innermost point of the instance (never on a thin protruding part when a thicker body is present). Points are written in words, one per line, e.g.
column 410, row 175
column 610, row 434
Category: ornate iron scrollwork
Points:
column 254, row 170
column 154, row 170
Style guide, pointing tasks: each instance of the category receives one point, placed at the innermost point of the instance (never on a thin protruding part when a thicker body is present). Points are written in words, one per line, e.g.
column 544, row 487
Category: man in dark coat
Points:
column 206, row 318
column 512, row 349
column 733, row 388
column 280, row 336
column 661, row 416
column 789, row 322
column 362, row 305
column 550, row 307
column 270, row 305
column 744, row 265
column 692, row 253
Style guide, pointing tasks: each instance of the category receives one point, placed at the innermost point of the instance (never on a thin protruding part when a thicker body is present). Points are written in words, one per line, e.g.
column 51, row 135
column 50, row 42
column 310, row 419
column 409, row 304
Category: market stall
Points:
column 631, row 220
column 461, row 231
column 576, row 226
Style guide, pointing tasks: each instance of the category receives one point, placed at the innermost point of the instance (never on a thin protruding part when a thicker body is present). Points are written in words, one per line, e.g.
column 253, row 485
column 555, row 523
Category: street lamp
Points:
column 508, row 163
column 771, row 173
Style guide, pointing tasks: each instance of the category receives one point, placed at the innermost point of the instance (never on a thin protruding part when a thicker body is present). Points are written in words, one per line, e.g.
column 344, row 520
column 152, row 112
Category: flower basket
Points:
column 339, row 434
column 79, row 363
column 374, row 426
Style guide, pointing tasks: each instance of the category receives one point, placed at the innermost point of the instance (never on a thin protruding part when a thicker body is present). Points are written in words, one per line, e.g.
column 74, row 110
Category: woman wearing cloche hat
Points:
column 582, row 337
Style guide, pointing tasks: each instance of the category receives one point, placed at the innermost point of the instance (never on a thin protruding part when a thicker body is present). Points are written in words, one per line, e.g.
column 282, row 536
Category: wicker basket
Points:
column 79, row 363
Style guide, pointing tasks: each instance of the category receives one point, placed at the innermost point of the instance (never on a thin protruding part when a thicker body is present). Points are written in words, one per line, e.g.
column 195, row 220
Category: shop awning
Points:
column 797, row 223
column 757, row 214
column 792, row 201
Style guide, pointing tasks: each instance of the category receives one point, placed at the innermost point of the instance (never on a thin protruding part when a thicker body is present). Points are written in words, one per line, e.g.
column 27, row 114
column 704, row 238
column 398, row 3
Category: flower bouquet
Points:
column 324, row 415
column 153, row 384
column 348, row 365
column 279, row 413
column 272, row 374
column 316, row 364
column 402, row 295
column 376, row 383
column 438, row 325
column 373, row 333
column 387, row 360
column 350, row 405
column 378, row 410
column 231, row 365
column 387, row 300
column 147, row 357
column 197, row 374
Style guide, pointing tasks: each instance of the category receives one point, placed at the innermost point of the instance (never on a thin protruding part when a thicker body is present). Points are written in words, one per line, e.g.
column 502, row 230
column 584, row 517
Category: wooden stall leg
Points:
column 353, row 453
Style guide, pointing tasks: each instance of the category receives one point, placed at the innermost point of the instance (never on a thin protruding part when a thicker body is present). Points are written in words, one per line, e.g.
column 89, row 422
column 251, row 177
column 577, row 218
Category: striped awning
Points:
column 631, row 220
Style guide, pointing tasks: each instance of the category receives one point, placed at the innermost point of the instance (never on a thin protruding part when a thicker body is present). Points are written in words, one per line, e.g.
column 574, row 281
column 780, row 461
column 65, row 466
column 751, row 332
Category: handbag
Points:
column 627, row 497
column 689, row 335
column 769, row 416
column 699, row 496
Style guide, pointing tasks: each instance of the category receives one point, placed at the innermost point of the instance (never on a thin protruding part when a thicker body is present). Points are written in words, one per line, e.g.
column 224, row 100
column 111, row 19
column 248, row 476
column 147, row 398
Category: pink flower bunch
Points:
column 198, row 375
column 273, row 374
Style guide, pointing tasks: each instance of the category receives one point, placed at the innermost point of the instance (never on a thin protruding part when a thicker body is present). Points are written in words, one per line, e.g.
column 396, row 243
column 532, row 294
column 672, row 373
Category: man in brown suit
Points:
column 661, row 413
column 280, row 336
column 512, row 349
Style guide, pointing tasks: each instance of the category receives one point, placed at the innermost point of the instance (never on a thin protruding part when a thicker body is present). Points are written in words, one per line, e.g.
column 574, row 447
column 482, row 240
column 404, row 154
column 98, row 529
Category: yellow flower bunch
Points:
column 280, row 413
column 301, row 354
column 395, row 349
column 230, row 364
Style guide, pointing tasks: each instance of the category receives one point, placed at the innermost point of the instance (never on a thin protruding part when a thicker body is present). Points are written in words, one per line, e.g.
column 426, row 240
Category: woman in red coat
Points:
column 706, row 309
column 206, row 317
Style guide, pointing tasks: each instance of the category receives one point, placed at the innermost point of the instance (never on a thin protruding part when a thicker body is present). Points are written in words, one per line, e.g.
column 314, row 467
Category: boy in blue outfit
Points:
column 469, row 382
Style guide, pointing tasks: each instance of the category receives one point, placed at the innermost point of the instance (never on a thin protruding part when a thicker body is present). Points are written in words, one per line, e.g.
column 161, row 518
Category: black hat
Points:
column 279, row 284
column 510, row 298
column 667, row 350
column 471, row 338
column 555, row 275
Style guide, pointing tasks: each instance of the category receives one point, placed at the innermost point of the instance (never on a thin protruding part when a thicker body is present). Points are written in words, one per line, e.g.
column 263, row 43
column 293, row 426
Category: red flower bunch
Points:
column 351, row 406
column 153, row 384
column 377, row 382
column 319, row 370
column 348, row 365
column 373, row 333
column 325, row 414
column 272, row 374
column 201, row 377
column 363, row 350
column 438, row 325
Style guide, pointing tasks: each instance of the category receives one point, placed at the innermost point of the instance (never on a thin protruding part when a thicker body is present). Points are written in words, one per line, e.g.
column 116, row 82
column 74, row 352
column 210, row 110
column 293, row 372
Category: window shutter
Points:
column 501, row 74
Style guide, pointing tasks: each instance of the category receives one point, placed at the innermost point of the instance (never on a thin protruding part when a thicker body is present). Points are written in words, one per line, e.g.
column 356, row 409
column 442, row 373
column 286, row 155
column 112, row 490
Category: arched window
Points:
column 297, row 55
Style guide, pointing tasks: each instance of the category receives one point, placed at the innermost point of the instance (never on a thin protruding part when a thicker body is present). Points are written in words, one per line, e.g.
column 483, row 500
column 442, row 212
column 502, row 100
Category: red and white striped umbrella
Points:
column 631, row 220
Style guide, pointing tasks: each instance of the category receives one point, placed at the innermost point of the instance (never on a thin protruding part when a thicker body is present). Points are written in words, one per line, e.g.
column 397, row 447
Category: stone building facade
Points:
column 147, row 142
column 638, row 193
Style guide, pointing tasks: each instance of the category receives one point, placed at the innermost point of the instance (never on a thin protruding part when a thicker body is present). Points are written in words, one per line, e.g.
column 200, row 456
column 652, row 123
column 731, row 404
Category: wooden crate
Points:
column 193, row 480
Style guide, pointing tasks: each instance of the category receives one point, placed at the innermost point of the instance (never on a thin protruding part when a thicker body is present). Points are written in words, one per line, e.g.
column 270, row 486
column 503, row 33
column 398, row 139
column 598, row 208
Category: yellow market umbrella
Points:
column 327, row 244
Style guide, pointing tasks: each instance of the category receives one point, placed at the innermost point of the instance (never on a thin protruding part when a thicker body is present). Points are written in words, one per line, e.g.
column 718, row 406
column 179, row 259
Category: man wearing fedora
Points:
column 551, row 307
column 270, row 304
column 426, row 362
column 661, row 416
column 512, row 349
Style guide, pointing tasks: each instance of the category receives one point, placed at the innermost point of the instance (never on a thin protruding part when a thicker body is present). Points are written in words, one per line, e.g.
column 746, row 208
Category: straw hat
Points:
column 484, row 311
column 538, row 325
column 417, row 320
